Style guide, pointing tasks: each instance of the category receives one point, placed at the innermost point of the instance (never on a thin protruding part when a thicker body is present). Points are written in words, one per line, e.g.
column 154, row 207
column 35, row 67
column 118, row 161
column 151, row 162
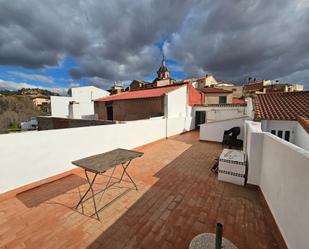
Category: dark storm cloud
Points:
column 233, row 39
column 115, row 40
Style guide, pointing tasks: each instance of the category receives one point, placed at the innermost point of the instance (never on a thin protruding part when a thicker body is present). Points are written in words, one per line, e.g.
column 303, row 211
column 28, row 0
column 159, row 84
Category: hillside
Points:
column 29, row 92
column 16, row 109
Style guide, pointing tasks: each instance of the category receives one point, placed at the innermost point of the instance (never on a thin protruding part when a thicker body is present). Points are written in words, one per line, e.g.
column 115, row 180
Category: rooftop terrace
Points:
column 178, row 198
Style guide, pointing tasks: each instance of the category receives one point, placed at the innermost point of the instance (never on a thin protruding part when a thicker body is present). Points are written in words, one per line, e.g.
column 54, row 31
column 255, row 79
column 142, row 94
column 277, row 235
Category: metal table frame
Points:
column 124, row 165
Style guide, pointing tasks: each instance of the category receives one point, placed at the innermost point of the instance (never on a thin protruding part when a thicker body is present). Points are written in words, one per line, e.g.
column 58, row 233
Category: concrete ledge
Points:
column 12, row 193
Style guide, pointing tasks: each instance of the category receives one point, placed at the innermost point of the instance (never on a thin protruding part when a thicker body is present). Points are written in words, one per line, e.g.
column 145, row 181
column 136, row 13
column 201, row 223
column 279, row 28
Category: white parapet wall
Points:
column 32, row 156
column 214, row 131
column 281, row 169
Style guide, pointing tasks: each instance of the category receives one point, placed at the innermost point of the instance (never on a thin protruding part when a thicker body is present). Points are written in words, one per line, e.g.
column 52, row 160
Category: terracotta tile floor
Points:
column 178, row 198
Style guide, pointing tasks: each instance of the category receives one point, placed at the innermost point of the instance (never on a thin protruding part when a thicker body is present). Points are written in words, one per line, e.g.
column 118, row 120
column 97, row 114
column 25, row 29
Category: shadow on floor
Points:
column 188, row 200
column 36, row 196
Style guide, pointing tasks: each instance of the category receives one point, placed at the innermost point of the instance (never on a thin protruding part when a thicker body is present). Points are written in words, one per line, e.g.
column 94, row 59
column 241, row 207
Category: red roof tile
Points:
column 210, row 90
column 257, row 86
column 276, row 88
column 282, row 106
column 141, row 94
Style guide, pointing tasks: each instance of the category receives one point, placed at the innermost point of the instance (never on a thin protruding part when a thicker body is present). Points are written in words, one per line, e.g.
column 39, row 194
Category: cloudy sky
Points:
column 58, row 44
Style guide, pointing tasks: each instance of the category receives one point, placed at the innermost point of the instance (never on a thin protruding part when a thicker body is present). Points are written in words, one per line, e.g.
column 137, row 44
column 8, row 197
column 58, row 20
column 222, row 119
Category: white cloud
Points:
column 74, row 84
column 36, row 77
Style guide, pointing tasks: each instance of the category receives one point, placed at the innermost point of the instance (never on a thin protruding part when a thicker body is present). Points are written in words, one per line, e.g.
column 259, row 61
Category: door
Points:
column 200, row 118
column 109, row 111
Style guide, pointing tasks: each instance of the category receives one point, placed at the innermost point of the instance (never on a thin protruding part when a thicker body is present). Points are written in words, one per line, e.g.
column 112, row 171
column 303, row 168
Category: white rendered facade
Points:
column 79, row 105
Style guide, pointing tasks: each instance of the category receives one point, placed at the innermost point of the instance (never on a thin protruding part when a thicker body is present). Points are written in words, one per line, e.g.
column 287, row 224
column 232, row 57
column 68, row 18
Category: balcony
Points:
column 178, row 198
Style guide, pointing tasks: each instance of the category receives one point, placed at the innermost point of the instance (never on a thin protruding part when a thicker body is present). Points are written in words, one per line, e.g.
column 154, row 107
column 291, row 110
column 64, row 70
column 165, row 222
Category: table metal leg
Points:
column 92, row 192
column 108, row 184
column 125, row 172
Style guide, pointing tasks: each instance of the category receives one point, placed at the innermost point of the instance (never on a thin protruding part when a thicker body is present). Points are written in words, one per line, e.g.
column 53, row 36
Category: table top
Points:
column 208, row 240
column 102, row 162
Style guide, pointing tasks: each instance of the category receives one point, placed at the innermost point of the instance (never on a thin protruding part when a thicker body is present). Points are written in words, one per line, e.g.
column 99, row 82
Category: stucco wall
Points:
column 285, row 183
column 60, row 106
column 222, row 112
column 253, row 145
column 301, row 137
column 237, row 90
column 281, row 170
column 298, row 135
column 214, row 131
column 52, row 151
column 176, row 102
column 87, row 93
column 83, row 96
column 214, row 98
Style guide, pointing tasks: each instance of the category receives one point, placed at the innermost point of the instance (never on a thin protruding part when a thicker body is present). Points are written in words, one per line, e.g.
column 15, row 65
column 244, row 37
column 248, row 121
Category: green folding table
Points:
column 99, row 164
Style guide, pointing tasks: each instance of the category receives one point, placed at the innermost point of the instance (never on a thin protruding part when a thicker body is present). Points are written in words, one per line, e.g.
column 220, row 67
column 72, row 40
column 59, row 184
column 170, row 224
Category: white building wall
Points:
column 283, row 125
column 285, row 183
column 176, row 102
column 87, row 93
column 214, row 131
column 301, row 137
column 281, row 170
column 60, row 106
column 218, row 113
column 253, row 146
column 298, row 135
column 53, row 150
column 83, row 102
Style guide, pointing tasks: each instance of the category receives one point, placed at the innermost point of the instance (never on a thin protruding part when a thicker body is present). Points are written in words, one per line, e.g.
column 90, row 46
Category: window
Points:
column 273, row 132
column 222, row 99
column 280, row 133
column 287, row 136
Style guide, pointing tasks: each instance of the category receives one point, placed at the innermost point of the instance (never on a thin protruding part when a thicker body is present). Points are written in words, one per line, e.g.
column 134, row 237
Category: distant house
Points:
column 255, row 87
column 79, row 105
column 41, row 100
column 285, row 115
column 266, row 86
column 215, row 95
column 170, row 100
column 137, row 85
column 115, row 89
column 283, row 87
column 207, row 81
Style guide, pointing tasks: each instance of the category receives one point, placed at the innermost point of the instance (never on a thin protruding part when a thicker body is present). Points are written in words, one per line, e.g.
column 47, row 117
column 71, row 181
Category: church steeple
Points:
column 163, row 72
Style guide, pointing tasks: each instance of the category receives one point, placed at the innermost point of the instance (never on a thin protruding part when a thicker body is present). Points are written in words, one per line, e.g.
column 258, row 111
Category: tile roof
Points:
column 211, row 90
column 141, row 94
column 276, row 88
column 282, row 106
column 257, row 86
